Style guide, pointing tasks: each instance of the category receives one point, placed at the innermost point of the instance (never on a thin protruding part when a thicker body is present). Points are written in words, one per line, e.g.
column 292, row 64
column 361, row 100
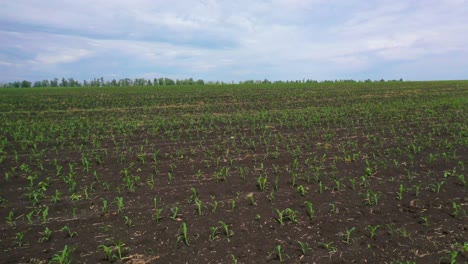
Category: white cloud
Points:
column 244, row 39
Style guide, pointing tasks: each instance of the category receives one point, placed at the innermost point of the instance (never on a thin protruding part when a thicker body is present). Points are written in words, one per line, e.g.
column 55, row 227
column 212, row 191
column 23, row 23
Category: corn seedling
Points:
column 399, row 193
column 68, row 231
column 183, row 234
column 329, row 246
column 110, row 256
column 157, row 215
column 301, row 190
column 45, row 214
column 19, row 239
column 372, row 230
column 63, row 256
column 348, row 233
column 310, row 209
column 10, row 218
column 199, row 205
column 213, row 232
column 234, row 259
column 120, row 204
column 46, row 235
column 128, row 221
column 437, row 187
column 424, row 220
column 226, row 229
column 304, row 247
column 251, row 198
column 457, row 209
column 175, row 212
column 261, row 183
column 278, row 251
column 371, row 197
column 417, row 189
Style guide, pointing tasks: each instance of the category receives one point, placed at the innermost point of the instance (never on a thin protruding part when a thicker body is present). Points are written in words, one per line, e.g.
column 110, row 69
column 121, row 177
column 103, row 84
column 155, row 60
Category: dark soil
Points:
column 350, row 173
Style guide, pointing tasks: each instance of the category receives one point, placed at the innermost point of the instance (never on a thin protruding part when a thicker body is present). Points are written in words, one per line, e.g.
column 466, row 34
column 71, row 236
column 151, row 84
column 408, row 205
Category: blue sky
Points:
column 234, row 40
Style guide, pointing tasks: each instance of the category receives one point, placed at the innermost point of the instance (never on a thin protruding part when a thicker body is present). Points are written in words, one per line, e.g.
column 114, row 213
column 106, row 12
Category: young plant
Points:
column 226, row 229
column 110, row 256
column 175, row 212
column 372, row 230
column 310, row 209
column 437, row 187
column 261, row 182
column 250, row 196
column 120, row 204
column 301, row 190
column 157, row 215
column 329, row 246
column 128, row 221
column 371, row 197
column 213, row 232
column 199, row 205
column 10, row 218
column 348, row 235
column 46, row 235
column 399, row 193
column 304, row 247
column 183, row 234
column 278, row 251
column 20, row 239
column 63, row 256
column 68, row 231
column 56, row 197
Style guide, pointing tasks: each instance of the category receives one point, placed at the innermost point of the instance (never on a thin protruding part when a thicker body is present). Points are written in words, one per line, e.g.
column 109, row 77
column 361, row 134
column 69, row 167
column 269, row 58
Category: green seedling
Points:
column 175, row 212
column 64, row 256
column 46, row 235
column 56, row 197
column 68, row 231
column 424, row 220
column 199, row 205
column 278, row 251
column 183, row 234
column 304, row 247
column 20, row 239
column 250, row 196
column 45, row 214
column 128, row 221
column 261, row 182
column 110, row 256
column 348, row 233
column 120, row 204
column 301, row 190
column 399, row 193
column 157, row 215
column 329, row 246
column 213, row 232
column 226, row 229
column 105, row 208
column 310, row 209
column 437, row 187
column 373, row 230
column 10, row 218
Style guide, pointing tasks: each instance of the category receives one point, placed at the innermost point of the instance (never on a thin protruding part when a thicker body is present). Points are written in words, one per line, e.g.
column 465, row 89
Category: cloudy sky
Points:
column 234, row 40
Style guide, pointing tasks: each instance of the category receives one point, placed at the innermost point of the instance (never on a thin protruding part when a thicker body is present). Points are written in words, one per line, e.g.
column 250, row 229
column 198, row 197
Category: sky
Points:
column 234, row 40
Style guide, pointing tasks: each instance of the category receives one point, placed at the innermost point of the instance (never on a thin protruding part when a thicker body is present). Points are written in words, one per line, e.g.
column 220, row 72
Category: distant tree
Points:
column 25, row 84
column 54, row 82
column 64, row 82
column 168, row 81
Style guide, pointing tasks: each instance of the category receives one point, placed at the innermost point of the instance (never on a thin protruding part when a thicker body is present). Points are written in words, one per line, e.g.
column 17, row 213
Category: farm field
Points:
column 293, row 173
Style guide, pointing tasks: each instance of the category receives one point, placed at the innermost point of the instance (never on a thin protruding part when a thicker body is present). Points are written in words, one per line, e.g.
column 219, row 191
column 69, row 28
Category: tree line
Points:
column 100, row 82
